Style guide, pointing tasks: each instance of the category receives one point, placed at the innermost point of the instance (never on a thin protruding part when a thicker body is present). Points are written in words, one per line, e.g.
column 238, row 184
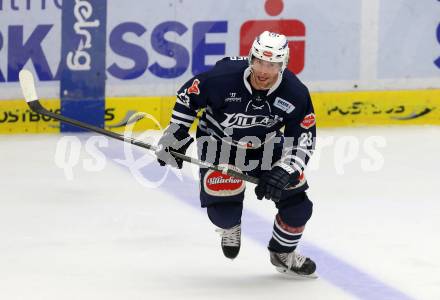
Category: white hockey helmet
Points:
column 270, row 46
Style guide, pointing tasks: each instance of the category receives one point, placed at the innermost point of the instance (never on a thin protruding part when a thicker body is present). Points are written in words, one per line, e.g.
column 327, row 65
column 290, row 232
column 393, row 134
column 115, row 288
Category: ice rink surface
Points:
column 99, row 231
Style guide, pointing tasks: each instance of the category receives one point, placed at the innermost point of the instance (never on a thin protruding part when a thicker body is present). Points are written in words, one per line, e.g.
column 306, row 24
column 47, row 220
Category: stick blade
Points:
column 27, row 84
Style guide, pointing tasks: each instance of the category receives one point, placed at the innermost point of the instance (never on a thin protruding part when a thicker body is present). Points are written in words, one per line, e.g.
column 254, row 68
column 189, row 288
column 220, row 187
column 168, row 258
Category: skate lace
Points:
column 231, row 236
column 293, row 259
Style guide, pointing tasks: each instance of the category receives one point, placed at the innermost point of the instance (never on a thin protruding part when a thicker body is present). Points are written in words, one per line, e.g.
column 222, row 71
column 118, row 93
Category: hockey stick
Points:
column 30, row 94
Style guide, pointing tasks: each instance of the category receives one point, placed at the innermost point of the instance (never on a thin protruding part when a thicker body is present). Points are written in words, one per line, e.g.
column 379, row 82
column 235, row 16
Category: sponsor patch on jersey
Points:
column 216, row 183
column 284, row 105
column 194, row 88
column 308, row 121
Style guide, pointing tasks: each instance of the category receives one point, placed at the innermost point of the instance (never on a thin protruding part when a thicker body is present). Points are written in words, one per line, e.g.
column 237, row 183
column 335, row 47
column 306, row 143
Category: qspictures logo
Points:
column 91, row 154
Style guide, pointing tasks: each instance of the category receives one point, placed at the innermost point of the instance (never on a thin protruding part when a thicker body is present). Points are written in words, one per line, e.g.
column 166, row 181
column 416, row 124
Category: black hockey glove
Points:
column 177, row 139
column 273, row 182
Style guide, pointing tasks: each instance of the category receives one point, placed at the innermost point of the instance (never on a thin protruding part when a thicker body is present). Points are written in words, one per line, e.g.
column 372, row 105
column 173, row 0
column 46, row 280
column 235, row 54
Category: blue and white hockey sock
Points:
column 285, row 238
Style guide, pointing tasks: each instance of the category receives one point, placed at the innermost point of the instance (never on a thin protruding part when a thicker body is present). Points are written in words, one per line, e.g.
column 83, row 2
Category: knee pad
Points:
column 296, row 211
column 225, row 215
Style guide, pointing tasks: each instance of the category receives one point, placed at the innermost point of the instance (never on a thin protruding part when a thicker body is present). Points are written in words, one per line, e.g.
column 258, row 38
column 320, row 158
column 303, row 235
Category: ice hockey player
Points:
column 246, row 102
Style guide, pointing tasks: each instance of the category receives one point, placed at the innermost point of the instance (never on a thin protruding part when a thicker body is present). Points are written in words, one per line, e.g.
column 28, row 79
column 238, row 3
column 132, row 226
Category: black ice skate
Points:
column 230, row 241
column 294, row 264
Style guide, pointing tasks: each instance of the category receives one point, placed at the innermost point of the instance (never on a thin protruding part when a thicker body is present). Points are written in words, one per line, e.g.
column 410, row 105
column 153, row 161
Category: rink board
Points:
column 333, row 109
column 17, row 117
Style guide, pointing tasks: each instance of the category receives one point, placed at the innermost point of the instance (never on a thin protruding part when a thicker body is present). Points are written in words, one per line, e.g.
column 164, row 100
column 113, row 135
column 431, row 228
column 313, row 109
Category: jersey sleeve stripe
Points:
column 180, row 122
column 183, row 116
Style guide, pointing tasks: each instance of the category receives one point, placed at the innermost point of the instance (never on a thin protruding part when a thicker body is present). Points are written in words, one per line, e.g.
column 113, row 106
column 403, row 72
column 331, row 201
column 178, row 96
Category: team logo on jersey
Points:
column 258, row 104
column 284, row 105
column 216, row 183
column 258, row 107
column 194, row 88
column 246, row 121
column 308, row 121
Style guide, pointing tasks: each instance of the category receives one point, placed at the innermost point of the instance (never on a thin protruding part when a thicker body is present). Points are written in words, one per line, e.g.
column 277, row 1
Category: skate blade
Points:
column 289, row 273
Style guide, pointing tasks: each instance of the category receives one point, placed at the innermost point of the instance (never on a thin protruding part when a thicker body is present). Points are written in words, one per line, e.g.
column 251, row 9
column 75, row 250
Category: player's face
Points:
column 264, row 73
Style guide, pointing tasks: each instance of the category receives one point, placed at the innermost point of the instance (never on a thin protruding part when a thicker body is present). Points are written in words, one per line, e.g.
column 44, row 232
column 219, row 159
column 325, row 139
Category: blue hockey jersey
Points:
column 235, row 112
